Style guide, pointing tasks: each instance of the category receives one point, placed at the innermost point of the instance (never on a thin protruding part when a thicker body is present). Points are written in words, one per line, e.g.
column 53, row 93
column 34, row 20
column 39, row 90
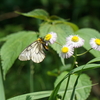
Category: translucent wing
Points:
column 37, row 53
column 25, row 55
column 34, row 52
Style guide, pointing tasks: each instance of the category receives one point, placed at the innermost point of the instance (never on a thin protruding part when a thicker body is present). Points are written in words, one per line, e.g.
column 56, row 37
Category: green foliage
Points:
column 81, row 92
column 38, row 13
column 85, row 85
column 78, row 69
column 75, row 28
column 14, row 45
column 86, row 67
column 43, row 15
column 2, row 93
column 17, row 42
column 32, row 96
column 94, row 60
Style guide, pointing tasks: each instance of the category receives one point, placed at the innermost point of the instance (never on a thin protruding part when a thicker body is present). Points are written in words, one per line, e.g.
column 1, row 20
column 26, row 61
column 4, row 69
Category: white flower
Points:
column 75, row 41
column 51, row 37
column 95, row 43
column 66, row 51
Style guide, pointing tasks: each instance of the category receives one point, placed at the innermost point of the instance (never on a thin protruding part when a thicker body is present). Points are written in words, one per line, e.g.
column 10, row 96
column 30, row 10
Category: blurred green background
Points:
column 84, row 13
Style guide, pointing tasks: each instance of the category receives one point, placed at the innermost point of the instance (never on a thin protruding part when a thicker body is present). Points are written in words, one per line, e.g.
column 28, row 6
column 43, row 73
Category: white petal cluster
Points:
column 66, row 51
column 51, row 37
column 95, row 43
column 75, row 41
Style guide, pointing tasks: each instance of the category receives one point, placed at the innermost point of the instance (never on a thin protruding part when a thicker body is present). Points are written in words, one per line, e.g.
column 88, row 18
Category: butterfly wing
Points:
column 25, row 55
column 34, row 52
column 37, row 53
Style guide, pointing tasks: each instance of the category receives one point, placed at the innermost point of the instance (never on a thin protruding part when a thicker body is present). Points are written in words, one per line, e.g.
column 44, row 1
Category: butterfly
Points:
column 34, row 51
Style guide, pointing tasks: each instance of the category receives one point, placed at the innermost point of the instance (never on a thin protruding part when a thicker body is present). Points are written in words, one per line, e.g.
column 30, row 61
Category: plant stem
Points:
column 31, row 76
column 66, row 87
column 75, row 57
column 2, row 93
column 73, row 92
column 84, row 52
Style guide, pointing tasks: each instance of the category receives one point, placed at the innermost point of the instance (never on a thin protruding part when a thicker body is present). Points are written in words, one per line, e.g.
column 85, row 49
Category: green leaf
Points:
column 56, row 89
column 56, row 18
column 78, row 69
column 75, row 27
column 59, row 20
column 62, row 31
column 14, row 45
column 87, row 34
column 63, row 61
column 37, row 13
column 86, row 67
column 81, row 93
column 94, row 60
column 42, row 94
column 32, row 96
column 2, row 93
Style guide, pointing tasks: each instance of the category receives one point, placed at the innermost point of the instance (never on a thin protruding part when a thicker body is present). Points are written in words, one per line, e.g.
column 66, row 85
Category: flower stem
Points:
column 84, row 52
column 73, row 92
column 66, row 87
column 75, row 57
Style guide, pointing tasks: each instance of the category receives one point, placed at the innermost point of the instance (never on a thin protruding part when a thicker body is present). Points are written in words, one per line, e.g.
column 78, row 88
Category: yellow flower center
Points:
column 65, row 49
column 75, row 39
column 97, row 41
column 48, row 37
